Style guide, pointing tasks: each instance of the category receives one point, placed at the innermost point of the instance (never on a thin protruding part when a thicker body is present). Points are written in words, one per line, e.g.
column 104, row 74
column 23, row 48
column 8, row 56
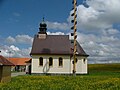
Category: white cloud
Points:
column 13, row 51
column 20, row 39
column 100, row 47
column 101, row 14
column 25, row 52
column 12, row 47
column 90, row 19
column 55, row 33
column 110, row 7
column 113, row 31
column 10, row 40
column 17, row 46
column 96, row 31
column 26, row 39
column 57, row 25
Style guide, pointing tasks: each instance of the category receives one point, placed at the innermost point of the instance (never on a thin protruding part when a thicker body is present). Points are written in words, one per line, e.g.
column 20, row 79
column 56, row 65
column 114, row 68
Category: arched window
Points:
column 41, row 61
column 60, row 62
column 76, row 60
column 50, row 61
column 84, row 60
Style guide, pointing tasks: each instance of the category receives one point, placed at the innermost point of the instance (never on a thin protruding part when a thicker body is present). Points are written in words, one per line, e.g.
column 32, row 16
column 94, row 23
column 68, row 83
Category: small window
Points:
column 41, row 61
column 84, row 60
column 50, row 61
column 60, row 62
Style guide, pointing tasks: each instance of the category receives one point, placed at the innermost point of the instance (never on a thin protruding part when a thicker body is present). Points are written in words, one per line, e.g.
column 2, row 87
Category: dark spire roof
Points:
column 43, row 27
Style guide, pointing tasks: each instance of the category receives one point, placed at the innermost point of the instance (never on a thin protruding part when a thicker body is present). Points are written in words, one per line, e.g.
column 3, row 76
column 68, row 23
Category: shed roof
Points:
column 55, row 45
column 19, row 61
column 5, row 62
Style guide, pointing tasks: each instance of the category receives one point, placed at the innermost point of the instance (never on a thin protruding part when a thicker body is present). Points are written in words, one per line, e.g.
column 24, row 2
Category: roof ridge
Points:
column 5, row 61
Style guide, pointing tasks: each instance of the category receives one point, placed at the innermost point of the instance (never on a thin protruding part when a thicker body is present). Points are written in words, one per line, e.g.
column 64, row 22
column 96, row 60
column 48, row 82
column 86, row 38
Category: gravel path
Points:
column 17, row 74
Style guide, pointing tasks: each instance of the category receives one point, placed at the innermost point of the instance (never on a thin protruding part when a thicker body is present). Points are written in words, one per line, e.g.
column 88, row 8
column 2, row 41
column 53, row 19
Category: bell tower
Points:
column 42, row 30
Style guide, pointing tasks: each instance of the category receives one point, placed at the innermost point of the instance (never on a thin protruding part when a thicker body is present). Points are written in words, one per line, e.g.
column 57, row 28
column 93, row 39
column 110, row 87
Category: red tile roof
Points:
column 4, row 61
column 19, row 61
column 28, row 61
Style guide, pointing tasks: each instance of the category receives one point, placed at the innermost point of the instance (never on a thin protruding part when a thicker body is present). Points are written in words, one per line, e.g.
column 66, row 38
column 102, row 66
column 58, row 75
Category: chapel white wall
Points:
column 81, row 67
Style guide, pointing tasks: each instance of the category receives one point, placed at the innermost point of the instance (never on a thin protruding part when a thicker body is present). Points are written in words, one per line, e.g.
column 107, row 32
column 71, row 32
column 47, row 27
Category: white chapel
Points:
column 53, row 54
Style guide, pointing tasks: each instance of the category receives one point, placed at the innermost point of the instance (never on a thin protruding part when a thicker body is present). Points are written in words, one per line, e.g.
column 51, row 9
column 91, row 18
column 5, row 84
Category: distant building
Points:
column 28, row 67
column 52, row 54
column 20, row 63
column 5, row 69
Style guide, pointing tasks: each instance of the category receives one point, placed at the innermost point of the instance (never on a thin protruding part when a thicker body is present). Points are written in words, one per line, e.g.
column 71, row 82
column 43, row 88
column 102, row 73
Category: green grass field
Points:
column 100, row 77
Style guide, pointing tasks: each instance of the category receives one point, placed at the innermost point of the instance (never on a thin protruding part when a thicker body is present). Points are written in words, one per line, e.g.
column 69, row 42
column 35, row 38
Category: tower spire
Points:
column 42, row 34
column 43, row 27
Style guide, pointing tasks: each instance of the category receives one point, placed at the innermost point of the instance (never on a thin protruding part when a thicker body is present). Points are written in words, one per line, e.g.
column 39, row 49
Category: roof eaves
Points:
column 58, row 54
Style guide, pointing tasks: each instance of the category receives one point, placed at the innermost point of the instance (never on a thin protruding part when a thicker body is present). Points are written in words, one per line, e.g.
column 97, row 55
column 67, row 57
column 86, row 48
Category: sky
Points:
column 98, row 26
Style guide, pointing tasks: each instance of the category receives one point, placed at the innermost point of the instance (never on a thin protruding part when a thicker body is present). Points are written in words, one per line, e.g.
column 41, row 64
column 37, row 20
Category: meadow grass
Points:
column 100, row 77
